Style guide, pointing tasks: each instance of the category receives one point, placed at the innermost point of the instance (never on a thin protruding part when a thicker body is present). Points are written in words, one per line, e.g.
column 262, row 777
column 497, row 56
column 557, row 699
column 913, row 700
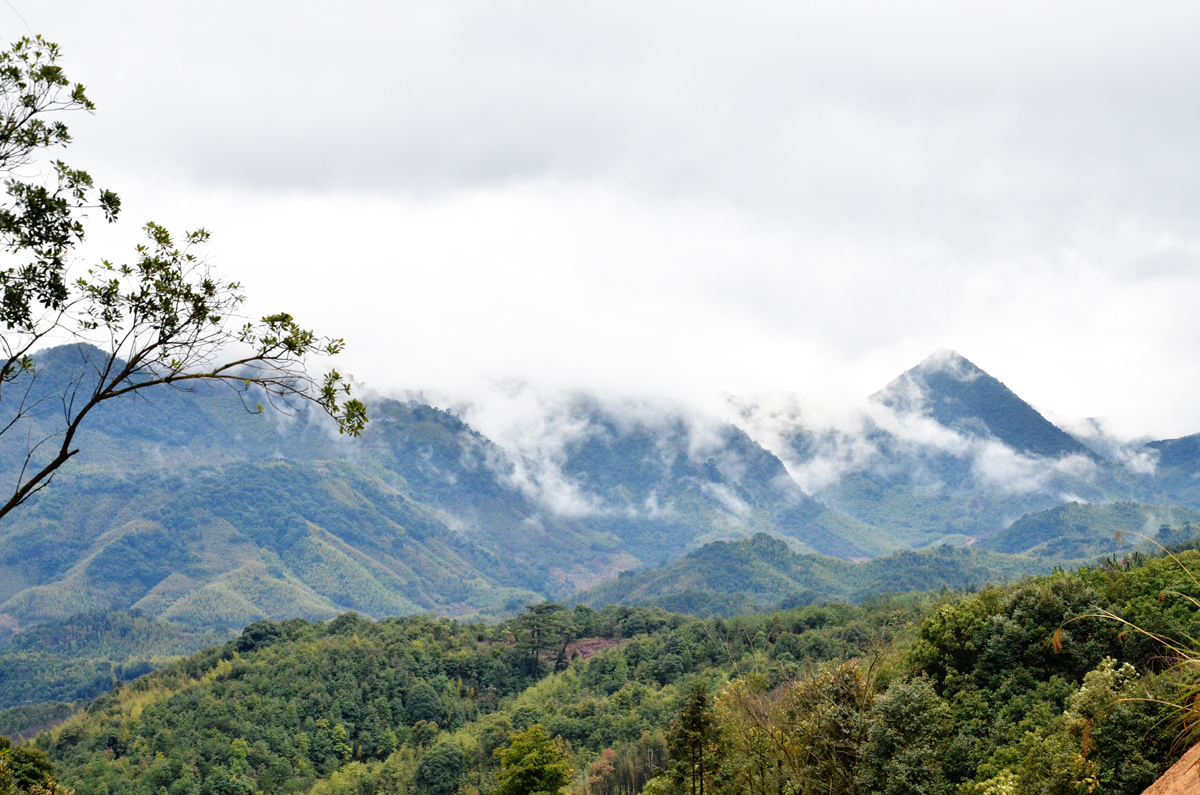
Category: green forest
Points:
column 948, row 595
column 79, row 658
column 761, row 573
column 929, row 692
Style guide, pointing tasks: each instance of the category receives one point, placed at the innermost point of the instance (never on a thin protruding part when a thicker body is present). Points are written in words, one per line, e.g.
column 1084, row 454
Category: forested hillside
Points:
column 81, row 657
column 189, row 508
column 958, row 693
column 1177, row 461
column 1089, row 531
column 728, row 578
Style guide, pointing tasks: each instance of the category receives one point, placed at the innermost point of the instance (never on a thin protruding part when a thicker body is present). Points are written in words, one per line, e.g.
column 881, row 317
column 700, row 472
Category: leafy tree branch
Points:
column 166, row 319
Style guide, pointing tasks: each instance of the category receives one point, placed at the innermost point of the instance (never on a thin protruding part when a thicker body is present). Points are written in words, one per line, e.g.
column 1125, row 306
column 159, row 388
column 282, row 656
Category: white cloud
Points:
column 680, row 199
column 1140, row 462
column 850, row 441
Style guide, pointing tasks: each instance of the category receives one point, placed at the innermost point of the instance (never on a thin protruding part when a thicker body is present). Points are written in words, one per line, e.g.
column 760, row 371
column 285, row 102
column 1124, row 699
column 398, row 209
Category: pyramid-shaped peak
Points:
column 951, row 363
column 949, row 388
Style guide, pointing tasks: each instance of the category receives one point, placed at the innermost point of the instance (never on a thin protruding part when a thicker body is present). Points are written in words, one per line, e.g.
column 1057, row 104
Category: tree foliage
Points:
column 906, row 740
column 937, row 693
column 533, row 764
column 441, row 769
column 165, row 319
column 692, row 742
column 27, row 771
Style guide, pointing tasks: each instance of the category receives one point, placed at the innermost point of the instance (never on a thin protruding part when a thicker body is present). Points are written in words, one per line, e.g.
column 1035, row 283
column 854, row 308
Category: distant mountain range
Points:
column 948, row 454
column 191, row 509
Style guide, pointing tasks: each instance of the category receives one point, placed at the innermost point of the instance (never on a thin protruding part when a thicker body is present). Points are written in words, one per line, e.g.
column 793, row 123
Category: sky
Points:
column 682, row 201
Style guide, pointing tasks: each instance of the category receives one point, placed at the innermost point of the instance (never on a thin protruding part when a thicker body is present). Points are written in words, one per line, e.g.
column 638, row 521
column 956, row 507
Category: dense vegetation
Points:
column 728, row 578
column 191, row 510
column 82, row 657
column 927, row 693
column 1075, row 530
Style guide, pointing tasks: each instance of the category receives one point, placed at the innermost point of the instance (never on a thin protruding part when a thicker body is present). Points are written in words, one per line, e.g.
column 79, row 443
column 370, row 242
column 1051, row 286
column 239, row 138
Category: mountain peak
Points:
column 955, row 392
column 951, row 363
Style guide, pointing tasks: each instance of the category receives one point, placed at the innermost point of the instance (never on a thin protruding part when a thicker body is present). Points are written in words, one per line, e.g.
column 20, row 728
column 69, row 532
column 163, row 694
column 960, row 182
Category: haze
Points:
column 677, row 200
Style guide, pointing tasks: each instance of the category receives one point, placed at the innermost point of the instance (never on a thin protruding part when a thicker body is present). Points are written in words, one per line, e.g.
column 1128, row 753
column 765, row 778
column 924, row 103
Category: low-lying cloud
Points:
column 537, row 432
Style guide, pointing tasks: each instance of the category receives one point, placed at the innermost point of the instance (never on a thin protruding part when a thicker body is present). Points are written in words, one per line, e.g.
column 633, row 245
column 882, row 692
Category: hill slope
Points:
column 727, row 578
column 1177, row 469
column 189, row 508
column 81, row 657
column 353, row 706
column 1089, row 531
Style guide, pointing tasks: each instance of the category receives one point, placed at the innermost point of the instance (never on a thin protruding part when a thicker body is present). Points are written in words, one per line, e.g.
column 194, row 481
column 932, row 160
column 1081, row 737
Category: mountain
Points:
column 190, row 508
column 244, row 541
column 1082, row 531
column 948, row 454
column 728, row 578
column 749, row 575
column 665, row 486
column 958, row 395
column 1177, row 467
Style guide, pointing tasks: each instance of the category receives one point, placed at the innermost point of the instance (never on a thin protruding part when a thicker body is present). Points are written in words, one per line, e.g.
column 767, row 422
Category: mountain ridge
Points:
column 961, row 396
column 188, row 506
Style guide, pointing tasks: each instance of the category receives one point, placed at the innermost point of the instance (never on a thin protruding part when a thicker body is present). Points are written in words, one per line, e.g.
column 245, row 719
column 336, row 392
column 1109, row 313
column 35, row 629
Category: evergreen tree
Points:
column 423, row 704
column 692, row 741
column 543, row 626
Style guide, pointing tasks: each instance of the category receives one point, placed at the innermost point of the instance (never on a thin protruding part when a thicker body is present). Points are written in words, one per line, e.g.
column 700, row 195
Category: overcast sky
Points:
column 678, row 199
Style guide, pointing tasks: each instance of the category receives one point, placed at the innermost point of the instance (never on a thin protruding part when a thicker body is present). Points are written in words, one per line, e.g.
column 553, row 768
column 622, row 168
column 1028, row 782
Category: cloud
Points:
column 536, row 434
column 926, row 115
column 1140, row 462
column 1006, row 471
column 820, row 448
column 677, row 199
column 947, row 361
column 1096, row 434
column 531, row 432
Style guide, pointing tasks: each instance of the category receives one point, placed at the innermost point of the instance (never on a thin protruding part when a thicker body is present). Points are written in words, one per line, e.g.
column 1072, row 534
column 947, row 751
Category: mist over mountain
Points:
column 958, row 395
column 946, row 454
column 191, row 508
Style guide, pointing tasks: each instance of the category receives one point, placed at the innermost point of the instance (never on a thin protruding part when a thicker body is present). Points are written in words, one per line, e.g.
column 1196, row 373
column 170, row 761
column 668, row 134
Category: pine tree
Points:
column 692, row 741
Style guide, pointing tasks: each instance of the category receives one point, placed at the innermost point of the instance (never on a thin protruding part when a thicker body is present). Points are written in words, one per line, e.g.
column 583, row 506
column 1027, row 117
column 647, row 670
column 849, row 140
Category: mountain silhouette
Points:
column 959, row 395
